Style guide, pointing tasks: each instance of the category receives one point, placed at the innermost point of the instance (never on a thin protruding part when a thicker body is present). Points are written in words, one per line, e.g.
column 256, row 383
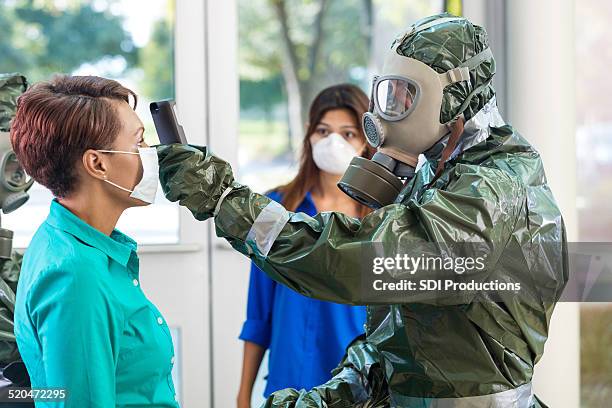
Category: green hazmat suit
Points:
column 470, row 348
column 9, row 274
column 11, row 86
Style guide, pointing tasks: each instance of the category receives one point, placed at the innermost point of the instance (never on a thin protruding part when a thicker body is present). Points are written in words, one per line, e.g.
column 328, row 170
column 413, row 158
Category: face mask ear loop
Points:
column 117, row 151
column 110, row 182
column 118, row 186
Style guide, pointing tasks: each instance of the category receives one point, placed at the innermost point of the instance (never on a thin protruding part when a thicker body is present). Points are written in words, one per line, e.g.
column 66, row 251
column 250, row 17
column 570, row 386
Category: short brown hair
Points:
column 57, row 121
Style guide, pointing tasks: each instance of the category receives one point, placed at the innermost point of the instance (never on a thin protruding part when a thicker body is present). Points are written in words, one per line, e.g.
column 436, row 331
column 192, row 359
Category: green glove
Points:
column 358, row 381
column 194, row 177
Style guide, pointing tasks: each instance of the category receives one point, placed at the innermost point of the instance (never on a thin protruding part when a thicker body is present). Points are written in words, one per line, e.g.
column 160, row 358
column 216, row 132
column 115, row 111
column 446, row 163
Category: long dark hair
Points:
column 343, row 96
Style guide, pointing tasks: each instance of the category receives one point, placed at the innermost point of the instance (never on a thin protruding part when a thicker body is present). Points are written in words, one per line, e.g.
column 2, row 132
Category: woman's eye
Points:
column 322, row 131
column 349, row 135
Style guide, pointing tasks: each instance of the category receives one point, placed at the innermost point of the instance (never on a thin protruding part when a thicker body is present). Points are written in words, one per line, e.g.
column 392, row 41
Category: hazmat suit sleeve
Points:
column 337, row 392
column 329, row 256
column 9, row 274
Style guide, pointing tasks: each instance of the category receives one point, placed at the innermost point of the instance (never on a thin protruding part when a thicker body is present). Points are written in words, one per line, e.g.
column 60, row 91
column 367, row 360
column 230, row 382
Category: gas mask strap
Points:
column 478, row 59
column 462, row 72
column 455, row 75
column 472, row 63
column 476, row 91
column 453, row 139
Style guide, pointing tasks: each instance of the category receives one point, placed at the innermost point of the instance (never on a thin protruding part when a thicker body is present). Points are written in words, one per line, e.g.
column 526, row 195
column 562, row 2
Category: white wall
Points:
column 229, row 270
column 175, row 277
column 541, row 96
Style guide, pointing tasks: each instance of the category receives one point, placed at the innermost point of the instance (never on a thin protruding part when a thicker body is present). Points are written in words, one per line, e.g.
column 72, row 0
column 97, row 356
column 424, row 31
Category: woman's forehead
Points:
column 129, row 119
column 338, row 117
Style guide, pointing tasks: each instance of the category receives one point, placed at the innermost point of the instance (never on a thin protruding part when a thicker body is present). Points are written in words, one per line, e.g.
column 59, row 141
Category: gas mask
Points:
column 14, row 182
column 403, row 121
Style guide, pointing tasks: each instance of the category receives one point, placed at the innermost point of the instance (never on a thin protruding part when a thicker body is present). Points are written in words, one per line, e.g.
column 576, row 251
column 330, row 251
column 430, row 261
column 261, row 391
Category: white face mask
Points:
column 333, row 154
column 146, row 189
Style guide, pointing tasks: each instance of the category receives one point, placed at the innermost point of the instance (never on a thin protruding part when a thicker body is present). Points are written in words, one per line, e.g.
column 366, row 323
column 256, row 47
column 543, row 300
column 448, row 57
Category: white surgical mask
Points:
column 146, row 189
column 333, row 154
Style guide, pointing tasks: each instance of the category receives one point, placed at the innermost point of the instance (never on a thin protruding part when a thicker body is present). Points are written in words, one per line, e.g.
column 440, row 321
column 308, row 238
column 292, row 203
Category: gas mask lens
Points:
column 395, row 97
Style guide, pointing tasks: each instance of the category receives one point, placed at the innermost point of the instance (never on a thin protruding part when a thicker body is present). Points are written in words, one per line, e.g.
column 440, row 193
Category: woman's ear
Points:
column 94, row 164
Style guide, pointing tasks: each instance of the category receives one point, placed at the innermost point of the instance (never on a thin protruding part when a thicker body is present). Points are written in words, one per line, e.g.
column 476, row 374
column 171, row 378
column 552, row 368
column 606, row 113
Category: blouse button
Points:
column 160, row 320
column 135, row 282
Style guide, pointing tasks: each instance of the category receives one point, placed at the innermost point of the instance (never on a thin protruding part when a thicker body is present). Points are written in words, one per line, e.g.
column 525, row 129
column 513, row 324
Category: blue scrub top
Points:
column 307, row 338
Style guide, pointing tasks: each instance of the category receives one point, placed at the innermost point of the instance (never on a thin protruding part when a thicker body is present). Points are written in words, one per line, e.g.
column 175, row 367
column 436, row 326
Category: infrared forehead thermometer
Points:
column 168, row 128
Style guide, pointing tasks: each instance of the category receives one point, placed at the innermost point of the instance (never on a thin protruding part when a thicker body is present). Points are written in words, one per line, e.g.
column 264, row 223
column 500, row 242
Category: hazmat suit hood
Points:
column 462, row 98
column 434, row 48
column 436, row 74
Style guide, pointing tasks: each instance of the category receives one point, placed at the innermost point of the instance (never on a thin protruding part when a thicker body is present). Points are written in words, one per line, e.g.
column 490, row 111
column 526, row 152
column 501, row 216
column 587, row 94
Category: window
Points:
column 118, row 39
column 344, row 41
column 594, row 155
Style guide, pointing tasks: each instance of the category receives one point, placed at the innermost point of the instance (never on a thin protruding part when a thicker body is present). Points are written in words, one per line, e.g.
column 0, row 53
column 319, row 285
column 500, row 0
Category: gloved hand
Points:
column 194, row 177
column 357, row 382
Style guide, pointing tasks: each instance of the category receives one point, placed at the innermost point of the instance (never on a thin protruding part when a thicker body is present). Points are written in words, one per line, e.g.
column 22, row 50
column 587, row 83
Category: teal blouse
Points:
column 83, row 323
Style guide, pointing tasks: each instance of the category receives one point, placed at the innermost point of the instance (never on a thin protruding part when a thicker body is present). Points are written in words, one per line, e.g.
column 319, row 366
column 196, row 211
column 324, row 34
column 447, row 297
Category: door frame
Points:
column 177, row 277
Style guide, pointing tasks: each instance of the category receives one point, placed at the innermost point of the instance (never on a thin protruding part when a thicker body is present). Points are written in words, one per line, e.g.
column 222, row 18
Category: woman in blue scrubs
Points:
column 83, row 324
column 307, row 337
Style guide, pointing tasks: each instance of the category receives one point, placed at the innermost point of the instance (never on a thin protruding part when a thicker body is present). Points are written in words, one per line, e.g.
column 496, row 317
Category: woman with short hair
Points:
column 82, row 322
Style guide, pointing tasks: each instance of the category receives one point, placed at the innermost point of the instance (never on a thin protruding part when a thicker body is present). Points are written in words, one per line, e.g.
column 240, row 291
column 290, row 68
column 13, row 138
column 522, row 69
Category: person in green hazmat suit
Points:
column 14, row 184
column 482, row 190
